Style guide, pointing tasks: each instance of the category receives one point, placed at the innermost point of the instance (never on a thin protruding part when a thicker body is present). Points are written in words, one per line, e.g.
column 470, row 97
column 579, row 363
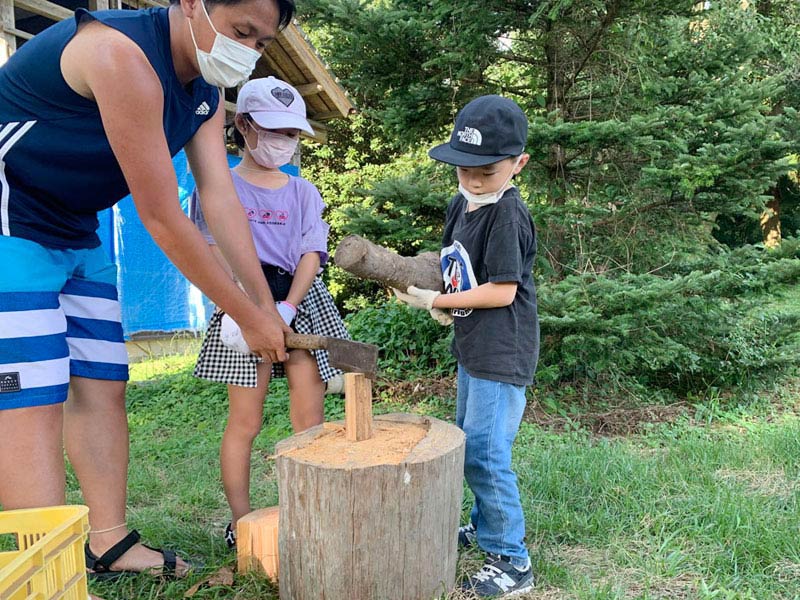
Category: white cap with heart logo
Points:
column 273, row 104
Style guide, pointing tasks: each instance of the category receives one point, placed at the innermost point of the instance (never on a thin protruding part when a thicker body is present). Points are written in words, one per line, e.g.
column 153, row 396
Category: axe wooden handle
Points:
column 305, row 342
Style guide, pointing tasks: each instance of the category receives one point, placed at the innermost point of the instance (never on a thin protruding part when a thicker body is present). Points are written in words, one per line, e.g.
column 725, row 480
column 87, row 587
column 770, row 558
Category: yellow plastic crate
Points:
column 50, row 563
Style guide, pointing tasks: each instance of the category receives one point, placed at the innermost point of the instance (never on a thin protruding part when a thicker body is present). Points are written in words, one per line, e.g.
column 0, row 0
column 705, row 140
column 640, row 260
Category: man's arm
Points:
column 222, row 210
column 117, row 79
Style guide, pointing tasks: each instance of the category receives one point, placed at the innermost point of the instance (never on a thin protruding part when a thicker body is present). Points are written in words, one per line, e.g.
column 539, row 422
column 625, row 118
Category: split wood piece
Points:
column 357, row 407
column 366, row 260
column 257, row 542
column 364, row 529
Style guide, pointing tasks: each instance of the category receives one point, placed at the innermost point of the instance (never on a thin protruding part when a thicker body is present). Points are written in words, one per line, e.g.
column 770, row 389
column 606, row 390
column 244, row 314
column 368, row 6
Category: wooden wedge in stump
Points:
column 366, row 260
column 357, row 407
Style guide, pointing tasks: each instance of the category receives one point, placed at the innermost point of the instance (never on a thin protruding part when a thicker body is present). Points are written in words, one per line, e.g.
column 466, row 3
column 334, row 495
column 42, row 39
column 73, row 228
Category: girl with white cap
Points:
column 285, row 215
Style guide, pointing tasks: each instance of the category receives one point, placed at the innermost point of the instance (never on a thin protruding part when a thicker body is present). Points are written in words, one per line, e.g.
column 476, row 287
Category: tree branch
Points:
column 605, row 23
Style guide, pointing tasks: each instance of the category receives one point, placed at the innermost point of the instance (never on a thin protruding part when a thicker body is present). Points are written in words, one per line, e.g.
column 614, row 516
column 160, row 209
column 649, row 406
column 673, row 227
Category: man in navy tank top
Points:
column 92, row 109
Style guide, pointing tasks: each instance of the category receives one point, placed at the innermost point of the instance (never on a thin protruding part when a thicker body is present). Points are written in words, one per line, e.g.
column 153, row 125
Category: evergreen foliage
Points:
column 636, row 108
column 686, row 333
column 659, row 133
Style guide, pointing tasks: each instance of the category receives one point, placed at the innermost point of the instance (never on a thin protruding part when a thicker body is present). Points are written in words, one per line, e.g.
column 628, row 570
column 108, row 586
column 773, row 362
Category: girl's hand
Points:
column 287, row 310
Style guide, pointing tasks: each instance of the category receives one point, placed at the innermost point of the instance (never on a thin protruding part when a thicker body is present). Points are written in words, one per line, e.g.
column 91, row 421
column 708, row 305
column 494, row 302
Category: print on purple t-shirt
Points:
column 286, row 223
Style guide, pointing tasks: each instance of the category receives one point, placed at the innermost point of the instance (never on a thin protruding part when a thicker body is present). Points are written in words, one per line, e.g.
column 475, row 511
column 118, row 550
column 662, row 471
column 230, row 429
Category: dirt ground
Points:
column 609, row 422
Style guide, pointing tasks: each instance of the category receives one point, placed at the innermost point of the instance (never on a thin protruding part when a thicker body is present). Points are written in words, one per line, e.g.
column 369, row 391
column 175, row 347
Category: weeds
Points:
column 701, row 505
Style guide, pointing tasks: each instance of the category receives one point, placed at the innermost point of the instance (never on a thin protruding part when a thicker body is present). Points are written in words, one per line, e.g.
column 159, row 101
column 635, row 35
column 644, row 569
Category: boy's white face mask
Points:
column 229, row 62
column 489, row 197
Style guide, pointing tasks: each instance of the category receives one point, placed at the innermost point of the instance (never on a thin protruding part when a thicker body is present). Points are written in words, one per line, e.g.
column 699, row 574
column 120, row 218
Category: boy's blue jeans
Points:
column 489, row 413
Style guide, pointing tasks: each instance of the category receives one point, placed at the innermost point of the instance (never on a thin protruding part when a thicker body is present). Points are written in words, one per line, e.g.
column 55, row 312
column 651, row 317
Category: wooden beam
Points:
column 310, row 89
column 320, row 131
column 98, row 5
column 45, row 8
column 282, row 61
column 153, row 3
column 8, row 43
column 17, row 32
column 357, row 407
column 309, row 58
column 327, row 116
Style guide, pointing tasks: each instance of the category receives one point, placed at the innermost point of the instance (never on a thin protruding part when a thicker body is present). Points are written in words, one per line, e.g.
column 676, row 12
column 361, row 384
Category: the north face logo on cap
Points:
column 470, row 135
column 283, row 95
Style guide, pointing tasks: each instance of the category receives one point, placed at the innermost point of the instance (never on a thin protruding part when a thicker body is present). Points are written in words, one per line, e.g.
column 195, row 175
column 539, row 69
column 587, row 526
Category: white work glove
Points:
column 287, row 310
column 231, row 335
column 417, row 298
column 441, row 316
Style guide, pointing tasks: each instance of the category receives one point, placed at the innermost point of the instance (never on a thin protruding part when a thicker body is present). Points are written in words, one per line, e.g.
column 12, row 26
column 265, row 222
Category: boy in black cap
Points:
column 487, row 257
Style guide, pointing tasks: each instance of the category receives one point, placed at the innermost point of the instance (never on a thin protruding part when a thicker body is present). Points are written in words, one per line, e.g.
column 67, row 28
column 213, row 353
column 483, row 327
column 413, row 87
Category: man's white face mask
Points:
column 229, row 63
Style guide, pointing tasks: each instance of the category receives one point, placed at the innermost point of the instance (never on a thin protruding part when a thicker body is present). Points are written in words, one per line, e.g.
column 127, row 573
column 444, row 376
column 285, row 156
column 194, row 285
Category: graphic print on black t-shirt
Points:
column 457, row 273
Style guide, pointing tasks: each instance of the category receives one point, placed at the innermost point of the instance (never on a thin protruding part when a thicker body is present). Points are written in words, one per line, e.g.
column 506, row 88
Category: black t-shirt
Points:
column 495, row 243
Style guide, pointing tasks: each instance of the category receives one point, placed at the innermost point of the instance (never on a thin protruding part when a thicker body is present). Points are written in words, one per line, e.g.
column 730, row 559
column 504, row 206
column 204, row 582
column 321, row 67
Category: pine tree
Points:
column 648, row 118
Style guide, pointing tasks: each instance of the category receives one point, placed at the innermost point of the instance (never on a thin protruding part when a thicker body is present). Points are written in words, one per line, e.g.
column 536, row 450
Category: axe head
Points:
column 352, row 357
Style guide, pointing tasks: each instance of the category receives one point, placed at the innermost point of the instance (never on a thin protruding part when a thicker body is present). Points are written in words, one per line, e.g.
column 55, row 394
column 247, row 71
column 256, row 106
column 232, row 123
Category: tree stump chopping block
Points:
column 376, row 519
column 362, row 258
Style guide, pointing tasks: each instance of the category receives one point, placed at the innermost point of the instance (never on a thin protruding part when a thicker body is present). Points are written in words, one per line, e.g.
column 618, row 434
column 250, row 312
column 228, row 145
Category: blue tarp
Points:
column 155, row 296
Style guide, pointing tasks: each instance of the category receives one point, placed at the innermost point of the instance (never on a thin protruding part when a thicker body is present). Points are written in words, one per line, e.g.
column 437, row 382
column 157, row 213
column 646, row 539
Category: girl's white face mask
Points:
column 229, row 62
column 273, row 150
column 490, row 197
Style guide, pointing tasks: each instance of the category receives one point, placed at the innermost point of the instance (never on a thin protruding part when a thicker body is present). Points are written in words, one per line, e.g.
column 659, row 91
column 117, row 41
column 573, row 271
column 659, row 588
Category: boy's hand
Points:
column 417, row 298
column 443, row 317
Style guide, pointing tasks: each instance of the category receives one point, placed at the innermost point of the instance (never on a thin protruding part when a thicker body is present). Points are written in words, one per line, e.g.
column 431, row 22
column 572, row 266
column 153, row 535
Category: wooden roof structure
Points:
column 290, row 57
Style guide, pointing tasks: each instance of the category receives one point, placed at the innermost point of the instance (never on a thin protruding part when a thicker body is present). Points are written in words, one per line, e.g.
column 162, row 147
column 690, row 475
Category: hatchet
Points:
column 347, row 355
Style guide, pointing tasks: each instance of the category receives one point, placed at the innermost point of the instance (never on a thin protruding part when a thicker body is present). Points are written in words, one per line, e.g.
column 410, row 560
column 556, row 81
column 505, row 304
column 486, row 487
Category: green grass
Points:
column 701, row 507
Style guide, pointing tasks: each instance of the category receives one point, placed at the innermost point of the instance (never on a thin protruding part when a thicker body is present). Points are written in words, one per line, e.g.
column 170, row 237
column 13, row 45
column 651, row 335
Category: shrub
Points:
column 411, row 343
column 708, row 327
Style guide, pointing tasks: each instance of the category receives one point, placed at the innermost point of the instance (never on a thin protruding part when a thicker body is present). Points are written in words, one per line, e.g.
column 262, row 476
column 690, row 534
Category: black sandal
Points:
column 230, row 536
column 100, row 567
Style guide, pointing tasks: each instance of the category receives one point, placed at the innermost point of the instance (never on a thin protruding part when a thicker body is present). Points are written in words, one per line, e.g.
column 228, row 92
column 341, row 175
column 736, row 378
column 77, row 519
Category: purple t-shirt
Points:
column 286, row 223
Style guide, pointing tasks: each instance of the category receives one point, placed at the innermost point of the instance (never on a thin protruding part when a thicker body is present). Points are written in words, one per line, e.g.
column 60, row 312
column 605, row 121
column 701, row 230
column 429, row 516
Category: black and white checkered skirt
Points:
column 316, row 315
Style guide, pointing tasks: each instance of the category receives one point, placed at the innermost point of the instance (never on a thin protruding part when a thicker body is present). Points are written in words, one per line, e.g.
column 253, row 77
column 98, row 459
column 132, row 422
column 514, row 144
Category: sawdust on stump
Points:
column 390, row 444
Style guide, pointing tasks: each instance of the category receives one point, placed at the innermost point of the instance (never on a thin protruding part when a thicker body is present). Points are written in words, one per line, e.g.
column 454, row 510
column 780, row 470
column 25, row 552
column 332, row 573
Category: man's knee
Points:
column 96, row 394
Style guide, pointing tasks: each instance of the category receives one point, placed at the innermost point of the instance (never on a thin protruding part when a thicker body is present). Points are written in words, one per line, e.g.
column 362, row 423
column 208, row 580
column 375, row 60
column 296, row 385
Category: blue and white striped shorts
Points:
column 59, row 316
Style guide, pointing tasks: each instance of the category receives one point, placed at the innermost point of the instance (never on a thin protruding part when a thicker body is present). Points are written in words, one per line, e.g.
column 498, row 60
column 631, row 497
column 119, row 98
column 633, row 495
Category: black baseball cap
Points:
column 487, row 130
